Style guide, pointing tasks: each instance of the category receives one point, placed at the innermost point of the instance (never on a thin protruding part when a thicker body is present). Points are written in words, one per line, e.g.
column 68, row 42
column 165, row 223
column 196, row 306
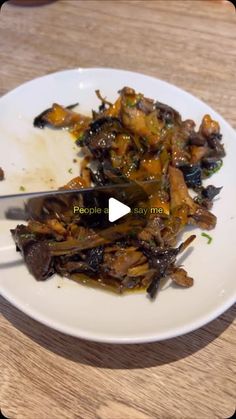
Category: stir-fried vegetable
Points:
column 132, row 140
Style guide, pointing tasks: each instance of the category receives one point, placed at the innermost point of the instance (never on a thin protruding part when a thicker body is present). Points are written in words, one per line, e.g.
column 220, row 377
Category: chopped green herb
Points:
column 210, row 172
column 207, row 237
column 22, row 188
column 70, row 171
column 131, row 102
column 80, row 138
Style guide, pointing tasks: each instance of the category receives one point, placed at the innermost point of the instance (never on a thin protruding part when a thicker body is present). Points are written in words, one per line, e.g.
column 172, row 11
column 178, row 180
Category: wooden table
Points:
column 45, row 374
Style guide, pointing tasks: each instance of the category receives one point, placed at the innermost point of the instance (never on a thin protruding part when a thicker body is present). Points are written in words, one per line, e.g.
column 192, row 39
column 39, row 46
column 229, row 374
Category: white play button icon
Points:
column 117, row 209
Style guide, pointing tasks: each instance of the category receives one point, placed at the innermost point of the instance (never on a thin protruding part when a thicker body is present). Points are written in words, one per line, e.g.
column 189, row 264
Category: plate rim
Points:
column 99, row 337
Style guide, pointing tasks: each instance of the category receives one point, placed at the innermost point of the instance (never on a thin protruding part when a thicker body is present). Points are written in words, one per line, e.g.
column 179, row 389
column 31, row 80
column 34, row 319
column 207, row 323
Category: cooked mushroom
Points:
column 128, row 141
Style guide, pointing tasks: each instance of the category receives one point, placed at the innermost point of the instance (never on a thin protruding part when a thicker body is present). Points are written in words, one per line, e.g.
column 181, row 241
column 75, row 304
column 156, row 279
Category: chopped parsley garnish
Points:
column 80, row 138
column 70, row 171
column 22, row 188
column 210, row 172
column 207, row 237
column 131, row 101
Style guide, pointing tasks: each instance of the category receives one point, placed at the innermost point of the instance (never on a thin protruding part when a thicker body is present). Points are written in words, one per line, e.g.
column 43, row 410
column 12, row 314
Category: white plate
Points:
column 30, row 157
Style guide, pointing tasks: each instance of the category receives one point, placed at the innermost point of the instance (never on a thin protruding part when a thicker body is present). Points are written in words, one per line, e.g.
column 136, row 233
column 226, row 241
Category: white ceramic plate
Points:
column 40, row 159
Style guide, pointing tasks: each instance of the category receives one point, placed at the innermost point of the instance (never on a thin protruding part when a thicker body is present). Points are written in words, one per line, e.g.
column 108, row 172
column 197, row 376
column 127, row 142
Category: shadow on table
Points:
column 117, row 356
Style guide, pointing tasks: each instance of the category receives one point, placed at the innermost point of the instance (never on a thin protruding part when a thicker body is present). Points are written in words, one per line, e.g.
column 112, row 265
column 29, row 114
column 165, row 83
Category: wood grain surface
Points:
column 45, row 374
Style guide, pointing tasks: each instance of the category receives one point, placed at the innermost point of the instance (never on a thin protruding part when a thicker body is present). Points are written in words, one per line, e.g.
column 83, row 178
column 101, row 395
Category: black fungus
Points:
column 196, row 139
column 214, row 143
column 72, row 106
column 106, row 174
column 206, row 195
column 210, row 192
column 216, row 136
column 204, row 202
column 94, row 257
column 100, row 123
column 98, row 177
column 23, row 237
column 41, row 122
column 210, row 165
column 145, row 105
column 160, row 260
column 35, row 252
column 100, row 136
column 102, row 107
column 97, row 199
column 72, row 267
column 167, row 114
column 192, row 175
column 38, row 260
column 153, row 287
